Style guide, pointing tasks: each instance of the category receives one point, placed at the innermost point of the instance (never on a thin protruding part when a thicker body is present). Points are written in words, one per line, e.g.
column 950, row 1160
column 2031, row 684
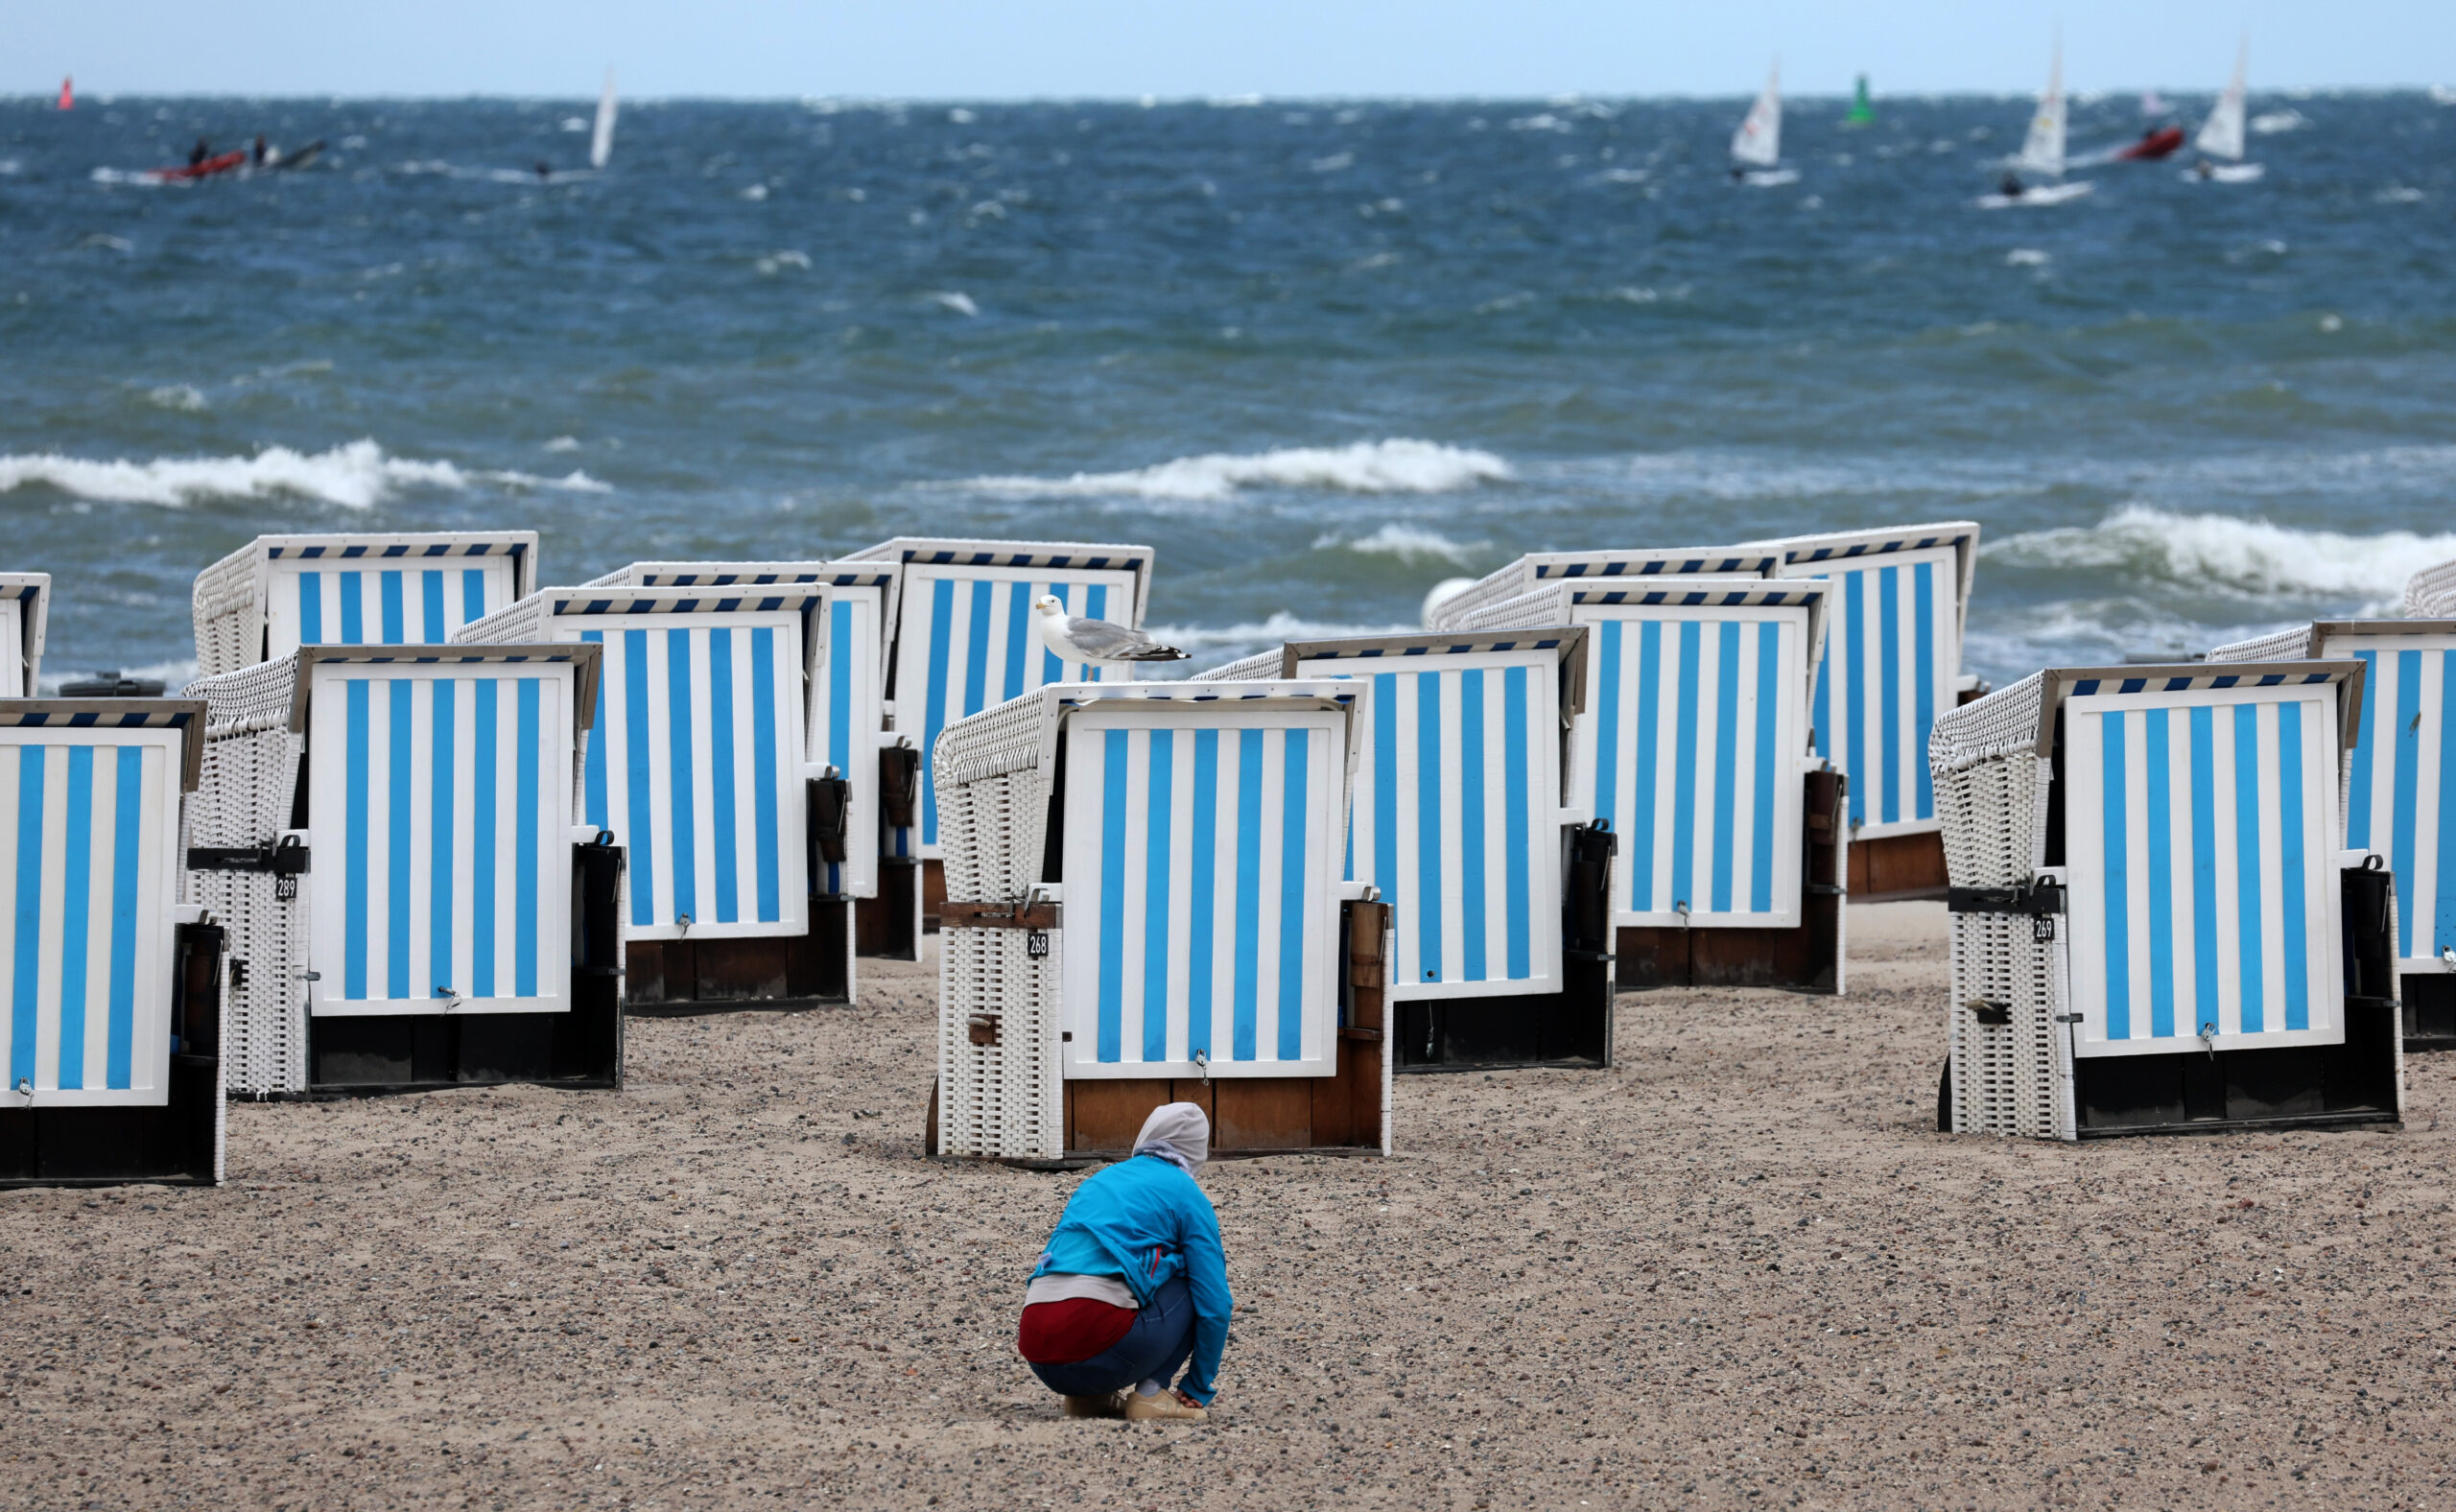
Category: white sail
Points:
column 1759, row 141
column 2221, row 135
column 601, row 146
column 2044, row 150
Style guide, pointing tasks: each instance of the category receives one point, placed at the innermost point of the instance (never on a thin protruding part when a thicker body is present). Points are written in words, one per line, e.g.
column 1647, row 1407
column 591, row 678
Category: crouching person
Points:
column 1133, row 1287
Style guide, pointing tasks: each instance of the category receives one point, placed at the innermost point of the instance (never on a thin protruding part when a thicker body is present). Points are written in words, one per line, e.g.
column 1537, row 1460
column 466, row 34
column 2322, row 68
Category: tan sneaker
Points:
column 1165, row 1408
column 1102, row 1406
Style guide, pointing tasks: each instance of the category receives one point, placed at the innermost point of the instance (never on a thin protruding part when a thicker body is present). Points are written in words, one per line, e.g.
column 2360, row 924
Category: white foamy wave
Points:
column 2027, row 257
column 356, row 476
column 2222, row 552
column 176, row 397
column 1213, row 644
column 955, row 300
column 1407, row 542
column 2271, row 122
column 1391, row 467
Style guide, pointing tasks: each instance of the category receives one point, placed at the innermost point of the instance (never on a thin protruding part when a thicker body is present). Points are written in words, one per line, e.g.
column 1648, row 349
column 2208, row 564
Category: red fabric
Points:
column 1070, row 1331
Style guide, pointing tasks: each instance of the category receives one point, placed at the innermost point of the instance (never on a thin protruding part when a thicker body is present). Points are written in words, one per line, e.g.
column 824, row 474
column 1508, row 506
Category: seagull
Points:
column 1097, row 642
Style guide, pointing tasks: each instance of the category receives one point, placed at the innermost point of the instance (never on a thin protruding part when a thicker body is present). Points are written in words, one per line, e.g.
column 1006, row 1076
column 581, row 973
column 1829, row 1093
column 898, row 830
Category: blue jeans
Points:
column 1156, row 1347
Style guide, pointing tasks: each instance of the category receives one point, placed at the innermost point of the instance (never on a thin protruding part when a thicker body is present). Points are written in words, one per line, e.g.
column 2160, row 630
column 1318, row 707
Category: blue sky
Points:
column 990, row 49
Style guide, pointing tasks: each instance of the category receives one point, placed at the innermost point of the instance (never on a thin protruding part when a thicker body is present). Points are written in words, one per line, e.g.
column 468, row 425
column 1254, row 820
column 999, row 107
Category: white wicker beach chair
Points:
column 1460, row 819
column 2154, row 925
column 2399, row 788
column 1892, row 666
column 280, row 592
column 386, row 833
column 114, row 1064
column 1692, row 747
column 2431, row 593
column 1207, row 947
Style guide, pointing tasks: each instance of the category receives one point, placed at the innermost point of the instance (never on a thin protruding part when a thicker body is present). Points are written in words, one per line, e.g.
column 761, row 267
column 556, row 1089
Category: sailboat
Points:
column 1861, row 111
column 2042, row 151
column 601, row 143
column 1756, row 147
column 2221, row 135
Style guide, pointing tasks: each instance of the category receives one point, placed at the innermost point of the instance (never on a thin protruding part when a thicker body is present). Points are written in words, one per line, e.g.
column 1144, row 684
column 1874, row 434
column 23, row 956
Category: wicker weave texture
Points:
column 1526, row 611
column 2012, row 1079
column 2430, row 594
column 1001, row 1100
column 2005, row 720
column 224, row 607
column 521, row 622
column 249, row 774
column 1503, row 583
column 2285, row 646
column 1260, row 667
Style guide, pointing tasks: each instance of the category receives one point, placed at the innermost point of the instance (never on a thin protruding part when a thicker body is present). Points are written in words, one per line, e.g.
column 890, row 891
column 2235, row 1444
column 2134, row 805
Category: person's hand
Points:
column 1191, row 1402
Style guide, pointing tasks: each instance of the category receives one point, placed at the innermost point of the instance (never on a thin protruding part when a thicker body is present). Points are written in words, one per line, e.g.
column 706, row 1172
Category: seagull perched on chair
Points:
column 1097, row 642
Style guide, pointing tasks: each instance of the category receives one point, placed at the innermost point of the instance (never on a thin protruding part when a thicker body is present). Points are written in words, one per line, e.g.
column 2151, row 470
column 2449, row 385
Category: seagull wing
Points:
column 1100, row 640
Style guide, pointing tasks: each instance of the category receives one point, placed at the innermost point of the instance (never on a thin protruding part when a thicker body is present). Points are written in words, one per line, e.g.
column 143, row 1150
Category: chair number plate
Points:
column 1036, row 944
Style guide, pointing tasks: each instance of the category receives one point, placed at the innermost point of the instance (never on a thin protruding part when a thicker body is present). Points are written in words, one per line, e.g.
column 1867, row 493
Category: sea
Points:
column 1321, row 355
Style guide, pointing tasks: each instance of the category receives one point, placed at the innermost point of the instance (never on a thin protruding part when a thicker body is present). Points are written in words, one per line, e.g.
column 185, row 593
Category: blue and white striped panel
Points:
column 2402, row 793
column 970, row 642
column 1892, row 665
column 88, row 822
column 845, row 718
column 1457, row 818
column 2198, row 827
column 696, row 764
column 438, row 810
column 1692, row 747
column 1201, row 874
column 410, row 603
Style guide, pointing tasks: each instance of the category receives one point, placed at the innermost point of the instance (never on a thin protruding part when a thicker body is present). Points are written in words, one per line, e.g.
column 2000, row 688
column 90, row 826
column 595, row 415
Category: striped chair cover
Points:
column 1202, row 860
column 2202, row 859
column 89, row 868
column 965, row 639
column 1457, row 804
column 441, row 847
column 845, row 646
column 1892, row 663
column 2400, row 773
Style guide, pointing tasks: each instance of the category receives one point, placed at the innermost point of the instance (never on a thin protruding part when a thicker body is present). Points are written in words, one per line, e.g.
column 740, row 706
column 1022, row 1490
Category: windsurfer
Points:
column 198, row 153
column 259, row 152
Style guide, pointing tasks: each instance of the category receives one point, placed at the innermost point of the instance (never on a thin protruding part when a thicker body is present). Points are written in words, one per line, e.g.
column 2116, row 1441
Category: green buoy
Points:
column 1862, row 114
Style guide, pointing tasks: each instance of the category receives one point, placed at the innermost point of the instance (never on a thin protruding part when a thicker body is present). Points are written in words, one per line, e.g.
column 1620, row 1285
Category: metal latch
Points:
column 1991, row 1011
column 285, row 860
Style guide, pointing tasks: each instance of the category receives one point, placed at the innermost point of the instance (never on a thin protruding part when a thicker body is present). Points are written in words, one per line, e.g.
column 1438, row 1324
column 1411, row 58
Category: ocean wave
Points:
column 2227, row 554
column 1389, row 466
column 357, row 475
column 1409, row 543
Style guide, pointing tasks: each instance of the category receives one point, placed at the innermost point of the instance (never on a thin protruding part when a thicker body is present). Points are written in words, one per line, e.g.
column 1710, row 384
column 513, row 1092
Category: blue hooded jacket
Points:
column 1147, row 1221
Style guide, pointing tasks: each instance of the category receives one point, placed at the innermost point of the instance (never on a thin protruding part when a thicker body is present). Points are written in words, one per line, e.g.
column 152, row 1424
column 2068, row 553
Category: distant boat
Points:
column 68, row 93
column 2220, row 142
column 2151, row 106
column 600, row 143
column 1756, row 147
column 1861, row 112
column 2042, row 151
column 2155, row 143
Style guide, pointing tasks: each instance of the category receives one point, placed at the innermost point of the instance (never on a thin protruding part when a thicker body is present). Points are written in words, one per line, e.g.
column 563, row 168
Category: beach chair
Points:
column 1892, row 666
column 2154, row 927
column 1460, row 820
column 1144, row 905
column 280, row 592
column 740, row 842
column 1692, row 749
column 1536, row 569
column 25, row 616
column 963, row 640
column 2400, row 783
column 2430, row 594
column 385, row 833
column 114, row 1068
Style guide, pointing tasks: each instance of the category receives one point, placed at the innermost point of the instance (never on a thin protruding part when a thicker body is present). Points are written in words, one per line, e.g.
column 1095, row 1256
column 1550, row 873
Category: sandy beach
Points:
column 1740, row 1270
